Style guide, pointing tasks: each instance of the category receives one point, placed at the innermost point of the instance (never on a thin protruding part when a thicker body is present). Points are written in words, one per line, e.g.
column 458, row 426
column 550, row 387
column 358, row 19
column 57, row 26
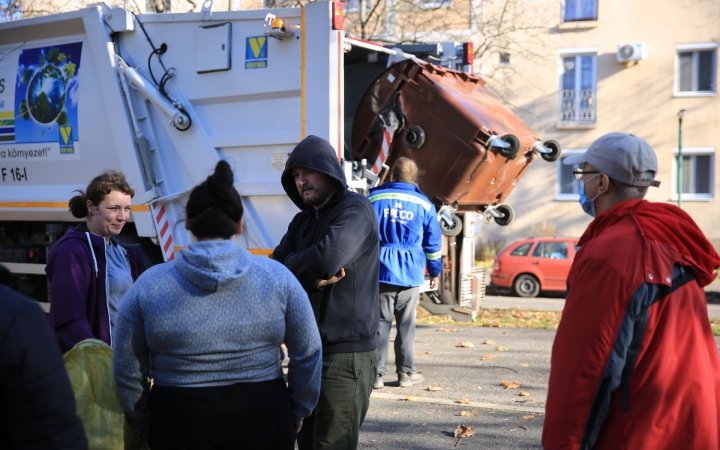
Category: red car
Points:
column 529, row 266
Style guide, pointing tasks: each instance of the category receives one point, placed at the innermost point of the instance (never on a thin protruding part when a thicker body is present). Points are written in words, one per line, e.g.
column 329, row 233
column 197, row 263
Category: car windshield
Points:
column 522, row 250
column 552, row 250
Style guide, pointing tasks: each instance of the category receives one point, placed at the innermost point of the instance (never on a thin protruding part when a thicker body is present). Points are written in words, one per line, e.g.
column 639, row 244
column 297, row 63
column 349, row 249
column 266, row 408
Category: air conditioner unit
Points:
column 631, row 52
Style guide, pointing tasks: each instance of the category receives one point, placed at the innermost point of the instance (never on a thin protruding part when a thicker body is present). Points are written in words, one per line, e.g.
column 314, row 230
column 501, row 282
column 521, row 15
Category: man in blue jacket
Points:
column 332, row 247
column 410, row 240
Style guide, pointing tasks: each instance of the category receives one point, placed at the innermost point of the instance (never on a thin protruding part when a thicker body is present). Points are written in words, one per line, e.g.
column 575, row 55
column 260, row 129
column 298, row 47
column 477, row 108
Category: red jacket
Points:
column 634, row 363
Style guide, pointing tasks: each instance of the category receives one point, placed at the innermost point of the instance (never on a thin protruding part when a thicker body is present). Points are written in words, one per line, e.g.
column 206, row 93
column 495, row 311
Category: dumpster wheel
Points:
column 508, row 215
column 556, row 151
column 512, row 151
column 452, row 229
column 415, row 137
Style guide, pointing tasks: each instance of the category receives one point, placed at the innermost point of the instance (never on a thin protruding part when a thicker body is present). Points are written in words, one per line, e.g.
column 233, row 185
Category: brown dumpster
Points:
column 470, row 149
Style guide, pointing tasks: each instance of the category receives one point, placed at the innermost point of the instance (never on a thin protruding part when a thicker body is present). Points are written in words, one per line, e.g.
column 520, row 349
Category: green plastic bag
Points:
column 89, row 367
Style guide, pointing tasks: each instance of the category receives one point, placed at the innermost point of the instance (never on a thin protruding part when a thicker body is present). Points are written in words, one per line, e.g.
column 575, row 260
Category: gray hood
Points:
column 211, row 264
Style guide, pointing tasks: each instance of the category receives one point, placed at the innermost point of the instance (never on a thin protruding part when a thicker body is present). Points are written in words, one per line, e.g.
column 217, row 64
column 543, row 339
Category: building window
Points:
column 568, row 188
column 577, row 88
column 434, row 3
column 697, row 173
column 354, row 5
column 695, row 69
column 504, row 59
column 575, row 10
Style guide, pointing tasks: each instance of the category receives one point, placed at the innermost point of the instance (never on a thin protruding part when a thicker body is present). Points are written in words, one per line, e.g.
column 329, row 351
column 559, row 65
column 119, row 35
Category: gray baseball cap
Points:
column 623, row 157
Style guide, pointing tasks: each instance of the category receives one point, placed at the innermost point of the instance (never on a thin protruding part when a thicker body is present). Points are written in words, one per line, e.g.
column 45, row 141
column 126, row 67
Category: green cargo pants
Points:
column 347, row 380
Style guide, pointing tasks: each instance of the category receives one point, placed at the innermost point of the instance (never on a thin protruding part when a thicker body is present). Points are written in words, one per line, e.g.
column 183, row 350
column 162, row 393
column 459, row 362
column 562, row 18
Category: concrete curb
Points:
column 442, row 401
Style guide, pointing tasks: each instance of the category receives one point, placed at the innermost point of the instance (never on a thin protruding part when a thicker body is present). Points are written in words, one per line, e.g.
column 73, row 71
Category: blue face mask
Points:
column 588, row 204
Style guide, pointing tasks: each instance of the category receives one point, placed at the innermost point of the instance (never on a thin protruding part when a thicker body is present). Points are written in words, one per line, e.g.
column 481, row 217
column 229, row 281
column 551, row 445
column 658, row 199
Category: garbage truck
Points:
column 163, row 97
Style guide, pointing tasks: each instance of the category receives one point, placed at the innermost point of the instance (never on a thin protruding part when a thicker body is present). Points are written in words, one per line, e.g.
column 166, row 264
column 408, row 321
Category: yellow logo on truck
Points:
column 66, row 139
column 256, row 52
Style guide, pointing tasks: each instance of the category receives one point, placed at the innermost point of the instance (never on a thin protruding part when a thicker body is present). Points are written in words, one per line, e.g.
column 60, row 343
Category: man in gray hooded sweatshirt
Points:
column 332, row 247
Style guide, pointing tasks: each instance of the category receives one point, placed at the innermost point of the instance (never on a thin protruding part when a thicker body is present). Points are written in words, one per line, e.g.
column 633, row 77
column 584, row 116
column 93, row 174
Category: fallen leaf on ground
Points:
column 433, row 388
column 410, row 398
column 486, row 357
column 448, row 330
column 463, row 431
column 524, row 394
column 501, row 349
column 524, row 365
column 489, row 342
column 510, row 384
column 469, row 413
column 462, row 401
column 528, row 417
column 465, row 344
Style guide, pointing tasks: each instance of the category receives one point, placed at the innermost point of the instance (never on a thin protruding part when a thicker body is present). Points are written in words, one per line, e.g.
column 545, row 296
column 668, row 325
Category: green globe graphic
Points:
column 46, row 94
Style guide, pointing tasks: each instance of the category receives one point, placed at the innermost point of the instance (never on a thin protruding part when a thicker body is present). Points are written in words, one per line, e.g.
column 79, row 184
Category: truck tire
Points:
column 556, row 151
column 509, row 215
column 526, row 285
column 415, row 137
column 451, row 229
column 512, row 151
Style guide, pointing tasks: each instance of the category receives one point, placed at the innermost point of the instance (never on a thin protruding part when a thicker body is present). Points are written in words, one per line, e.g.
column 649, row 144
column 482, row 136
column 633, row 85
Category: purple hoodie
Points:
column 77, row 273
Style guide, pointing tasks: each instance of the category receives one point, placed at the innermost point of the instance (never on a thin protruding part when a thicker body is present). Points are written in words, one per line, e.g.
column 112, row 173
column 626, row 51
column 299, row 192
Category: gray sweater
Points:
column 216, row 315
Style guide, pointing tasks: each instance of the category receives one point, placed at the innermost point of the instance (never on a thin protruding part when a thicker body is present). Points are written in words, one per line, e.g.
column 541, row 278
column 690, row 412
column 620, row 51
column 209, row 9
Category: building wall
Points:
column 637, row 98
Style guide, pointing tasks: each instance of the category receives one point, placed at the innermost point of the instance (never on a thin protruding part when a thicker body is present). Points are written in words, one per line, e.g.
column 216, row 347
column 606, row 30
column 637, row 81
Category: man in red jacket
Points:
column 634, row 363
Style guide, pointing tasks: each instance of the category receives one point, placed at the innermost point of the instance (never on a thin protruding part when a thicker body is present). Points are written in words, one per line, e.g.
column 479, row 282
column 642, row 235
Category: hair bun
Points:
column 215, row 208
column 77, row 205
column 224, row 173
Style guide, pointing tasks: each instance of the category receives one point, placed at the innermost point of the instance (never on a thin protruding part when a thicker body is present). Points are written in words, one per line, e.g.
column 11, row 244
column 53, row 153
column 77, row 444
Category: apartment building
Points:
column 618, row 65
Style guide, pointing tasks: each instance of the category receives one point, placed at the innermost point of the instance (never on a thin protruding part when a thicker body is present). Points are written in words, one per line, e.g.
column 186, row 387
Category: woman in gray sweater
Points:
column 207, row 329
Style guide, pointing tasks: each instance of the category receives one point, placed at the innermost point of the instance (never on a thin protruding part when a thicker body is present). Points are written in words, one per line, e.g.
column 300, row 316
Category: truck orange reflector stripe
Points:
column 62, row 205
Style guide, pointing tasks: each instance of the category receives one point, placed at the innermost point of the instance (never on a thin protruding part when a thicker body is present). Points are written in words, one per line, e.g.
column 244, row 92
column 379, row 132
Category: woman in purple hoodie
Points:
column 88, row 268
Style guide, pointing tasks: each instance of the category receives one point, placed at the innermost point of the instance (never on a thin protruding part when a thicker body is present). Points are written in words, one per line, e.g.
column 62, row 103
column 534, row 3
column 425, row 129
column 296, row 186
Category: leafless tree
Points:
column 516, row 29
column 21, row 9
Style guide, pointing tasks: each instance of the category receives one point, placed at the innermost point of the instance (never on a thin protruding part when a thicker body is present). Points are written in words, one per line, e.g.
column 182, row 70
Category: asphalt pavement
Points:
column 419, row 418
column 463, row 386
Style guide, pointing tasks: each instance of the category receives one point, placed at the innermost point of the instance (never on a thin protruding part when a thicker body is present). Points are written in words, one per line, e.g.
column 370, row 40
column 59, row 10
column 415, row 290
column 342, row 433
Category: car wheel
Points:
column 526, row 286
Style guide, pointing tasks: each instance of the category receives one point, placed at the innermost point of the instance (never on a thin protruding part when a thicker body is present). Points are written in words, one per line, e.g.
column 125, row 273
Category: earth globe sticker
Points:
column 46, row 94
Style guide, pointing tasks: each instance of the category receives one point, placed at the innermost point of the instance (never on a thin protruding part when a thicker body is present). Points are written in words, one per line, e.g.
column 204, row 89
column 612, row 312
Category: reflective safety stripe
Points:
column 433, row 256
column 404, row 197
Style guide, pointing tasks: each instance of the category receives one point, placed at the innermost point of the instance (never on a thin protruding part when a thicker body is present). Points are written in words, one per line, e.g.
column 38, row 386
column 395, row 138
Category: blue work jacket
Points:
column 410, row 238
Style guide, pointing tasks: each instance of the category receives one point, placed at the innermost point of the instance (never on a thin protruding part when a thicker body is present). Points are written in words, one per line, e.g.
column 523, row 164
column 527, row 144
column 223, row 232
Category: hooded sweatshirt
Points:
column 214, row 316
column 343, row 234
column 77, row 272
column 634, row 363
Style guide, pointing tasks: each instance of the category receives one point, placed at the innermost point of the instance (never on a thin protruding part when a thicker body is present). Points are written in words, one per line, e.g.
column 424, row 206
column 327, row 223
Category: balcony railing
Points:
column 574, row 109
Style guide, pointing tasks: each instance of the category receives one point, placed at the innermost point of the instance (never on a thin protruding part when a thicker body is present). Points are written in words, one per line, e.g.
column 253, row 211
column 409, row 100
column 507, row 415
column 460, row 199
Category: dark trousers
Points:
column 238, row 416
column 347, row 380
column 400, row 302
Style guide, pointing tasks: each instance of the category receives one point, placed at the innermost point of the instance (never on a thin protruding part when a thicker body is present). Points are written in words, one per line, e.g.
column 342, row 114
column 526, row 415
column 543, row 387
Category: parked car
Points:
column 536, row 264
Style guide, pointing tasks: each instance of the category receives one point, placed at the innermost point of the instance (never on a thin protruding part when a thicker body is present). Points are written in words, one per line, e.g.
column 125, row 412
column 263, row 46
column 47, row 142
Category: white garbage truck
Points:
column 163, row 97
